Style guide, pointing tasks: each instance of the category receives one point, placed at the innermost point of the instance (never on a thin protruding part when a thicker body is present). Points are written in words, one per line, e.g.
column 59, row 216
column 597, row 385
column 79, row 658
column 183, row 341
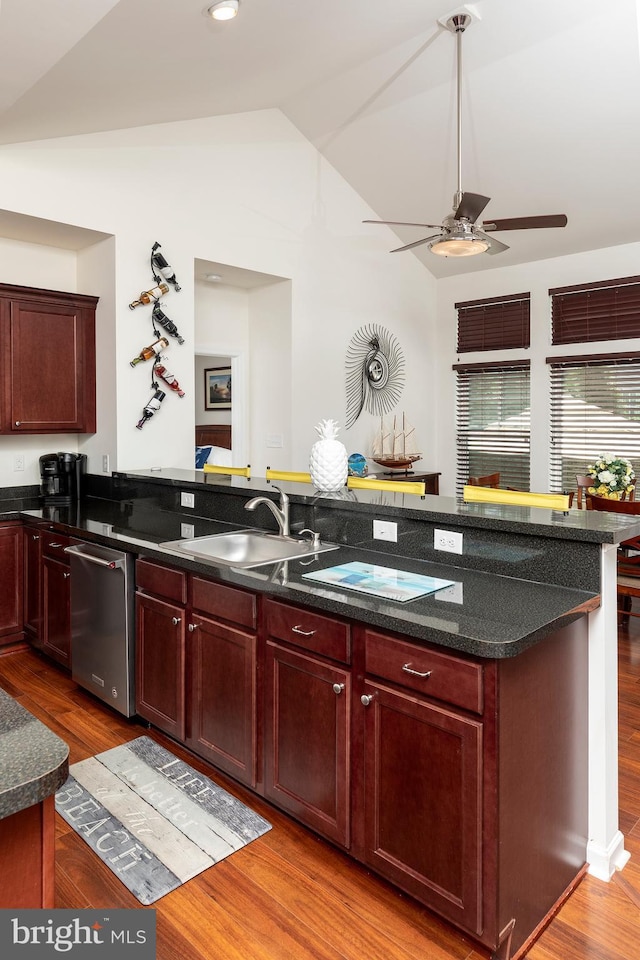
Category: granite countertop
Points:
column 484, row 614
column 34, row 762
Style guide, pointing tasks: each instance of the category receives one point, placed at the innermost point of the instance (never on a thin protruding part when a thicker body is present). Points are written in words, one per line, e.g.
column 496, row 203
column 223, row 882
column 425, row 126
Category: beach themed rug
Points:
column 151, row 818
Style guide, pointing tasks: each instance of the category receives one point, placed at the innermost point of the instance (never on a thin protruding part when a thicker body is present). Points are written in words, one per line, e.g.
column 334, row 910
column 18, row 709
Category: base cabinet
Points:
column 11, row 613
column 32, row 584
column 56, row 598
column 443, row 773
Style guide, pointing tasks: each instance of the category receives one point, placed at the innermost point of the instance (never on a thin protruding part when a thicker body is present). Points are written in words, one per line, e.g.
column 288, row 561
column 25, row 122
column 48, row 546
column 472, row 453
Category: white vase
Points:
column 328, row 461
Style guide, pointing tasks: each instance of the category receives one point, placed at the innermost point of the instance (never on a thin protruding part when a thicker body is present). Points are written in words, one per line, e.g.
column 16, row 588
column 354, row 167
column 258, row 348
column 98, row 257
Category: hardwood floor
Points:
column 291, row 896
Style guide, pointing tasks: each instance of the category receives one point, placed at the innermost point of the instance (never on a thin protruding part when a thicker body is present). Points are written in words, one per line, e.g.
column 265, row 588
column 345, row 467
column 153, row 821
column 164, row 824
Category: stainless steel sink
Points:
column 248, row 548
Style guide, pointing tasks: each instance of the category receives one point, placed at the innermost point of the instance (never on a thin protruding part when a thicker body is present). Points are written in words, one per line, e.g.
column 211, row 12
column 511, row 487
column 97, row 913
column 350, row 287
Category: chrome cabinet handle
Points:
column 55, row 545
column 35, row 536
column 303, row 633
column 18, row 422
column 366, row 699
column 66, row 575
column 338, row 688
column 192, row 626
column 415, row 673
column 176, row 620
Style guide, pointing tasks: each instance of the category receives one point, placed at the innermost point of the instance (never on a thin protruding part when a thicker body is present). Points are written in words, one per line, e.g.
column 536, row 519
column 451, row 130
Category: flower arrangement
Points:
column 611, row 475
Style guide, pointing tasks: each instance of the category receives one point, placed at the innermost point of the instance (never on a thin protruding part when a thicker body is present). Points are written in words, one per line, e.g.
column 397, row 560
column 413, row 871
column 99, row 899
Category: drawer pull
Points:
column 192, row 627
column 176, row 620
column 366, row 699
column 55, row 545
column 415, row 673
column 338, row 688
column 35, row 536
column 303, row 633
column 65, row 576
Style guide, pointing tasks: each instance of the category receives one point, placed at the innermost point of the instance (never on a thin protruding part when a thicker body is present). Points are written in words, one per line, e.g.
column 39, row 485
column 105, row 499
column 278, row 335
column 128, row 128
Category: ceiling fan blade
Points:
column 526, row 223
column 471, row 206
column 495, row 245
column 416, row 243
column 403, row 223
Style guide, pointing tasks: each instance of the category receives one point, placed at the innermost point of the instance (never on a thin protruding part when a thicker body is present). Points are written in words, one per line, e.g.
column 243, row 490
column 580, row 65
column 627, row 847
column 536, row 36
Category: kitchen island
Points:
column 517, row 634
column 34, row 763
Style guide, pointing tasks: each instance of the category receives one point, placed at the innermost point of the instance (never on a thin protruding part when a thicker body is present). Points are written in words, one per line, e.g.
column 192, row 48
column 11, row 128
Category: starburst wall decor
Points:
column 375, row 372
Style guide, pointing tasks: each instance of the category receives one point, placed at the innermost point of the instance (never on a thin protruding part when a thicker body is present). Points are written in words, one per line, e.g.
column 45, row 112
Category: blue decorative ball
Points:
column 357, row 465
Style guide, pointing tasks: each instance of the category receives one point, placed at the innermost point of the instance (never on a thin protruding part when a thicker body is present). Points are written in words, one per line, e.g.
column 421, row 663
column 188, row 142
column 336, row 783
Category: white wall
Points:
column 537, row 278
column 280, row 211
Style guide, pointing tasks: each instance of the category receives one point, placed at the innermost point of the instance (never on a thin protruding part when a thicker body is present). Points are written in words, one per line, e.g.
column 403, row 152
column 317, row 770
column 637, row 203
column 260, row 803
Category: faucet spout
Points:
column 281, row 515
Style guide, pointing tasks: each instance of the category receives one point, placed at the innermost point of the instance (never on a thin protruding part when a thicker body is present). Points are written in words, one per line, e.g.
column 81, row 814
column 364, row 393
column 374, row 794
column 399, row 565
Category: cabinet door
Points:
column 49, row 363
column 307, row 768
column 423, row 801
column 11, row 614
column 33, row 585
column 222, row 702
column 160, row 664
column 56, row 596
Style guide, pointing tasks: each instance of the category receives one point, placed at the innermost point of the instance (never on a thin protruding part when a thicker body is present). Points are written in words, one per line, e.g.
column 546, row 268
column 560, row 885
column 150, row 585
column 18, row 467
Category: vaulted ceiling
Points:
column 550, row 99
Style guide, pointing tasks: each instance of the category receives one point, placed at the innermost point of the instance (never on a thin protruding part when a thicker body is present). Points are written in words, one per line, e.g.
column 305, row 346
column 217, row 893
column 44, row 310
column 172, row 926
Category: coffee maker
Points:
column 61, row 476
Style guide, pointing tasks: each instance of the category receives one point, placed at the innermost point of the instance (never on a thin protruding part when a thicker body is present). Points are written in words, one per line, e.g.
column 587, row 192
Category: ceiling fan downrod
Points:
column 458, row 24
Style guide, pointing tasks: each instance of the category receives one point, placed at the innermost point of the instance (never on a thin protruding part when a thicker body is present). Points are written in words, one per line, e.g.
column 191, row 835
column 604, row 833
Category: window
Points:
column 494, row 422
column 494, row 324
column 607, row 310
column 595, row 408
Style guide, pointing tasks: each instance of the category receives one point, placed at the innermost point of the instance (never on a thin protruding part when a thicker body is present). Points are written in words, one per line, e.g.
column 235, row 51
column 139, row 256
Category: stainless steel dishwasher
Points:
column 102, row 623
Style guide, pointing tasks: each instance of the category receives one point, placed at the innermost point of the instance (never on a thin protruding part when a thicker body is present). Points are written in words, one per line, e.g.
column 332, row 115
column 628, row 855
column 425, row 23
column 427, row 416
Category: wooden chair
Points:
column 491, row 480
column 416, row 487
column 292, row 475
column 628, row 561
column 583, row 482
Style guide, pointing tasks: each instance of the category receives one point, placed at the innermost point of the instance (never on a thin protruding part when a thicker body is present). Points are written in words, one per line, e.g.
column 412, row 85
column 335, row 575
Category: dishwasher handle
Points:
column 99, row 561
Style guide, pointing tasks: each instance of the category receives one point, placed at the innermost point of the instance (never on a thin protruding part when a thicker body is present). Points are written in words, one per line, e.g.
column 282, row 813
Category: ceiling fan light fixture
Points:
column 459, row 242
column 224, row 9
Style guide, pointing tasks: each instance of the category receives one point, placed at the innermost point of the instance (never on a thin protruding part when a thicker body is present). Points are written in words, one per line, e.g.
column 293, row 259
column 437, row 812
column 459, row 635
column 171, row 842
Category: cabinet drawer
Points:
column 53, row 545
column 224, row 603
column 161, row 581
column 449, row 678
column 311, row 631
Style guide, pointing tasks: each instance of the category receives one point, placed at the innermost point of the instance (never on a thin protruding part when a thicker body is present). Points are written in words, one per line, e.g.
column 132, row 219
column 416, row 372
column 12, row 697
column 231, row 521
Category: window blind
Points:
column 494, row 324
column 608, row 310
column 493, row 423
column 595, row 409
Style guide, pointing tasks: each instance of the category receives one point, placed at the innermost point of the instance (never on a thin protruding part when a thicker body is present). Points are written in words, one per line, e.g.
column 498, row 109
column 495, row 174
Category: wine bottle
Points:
column 147, row 353
column 169, row 379
column 148, row 295
column 158, row 261
column 151, row 407
column 163, row 320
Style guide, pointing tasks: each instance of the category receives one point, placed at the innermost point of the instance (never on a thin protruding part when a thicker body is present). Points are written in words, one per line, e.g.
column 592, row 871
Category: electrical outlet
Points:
column 18, row 461
column 385, row 530
column 187, row 500
column 447, row 540
column 452, row 594
column 187, row 530
column 105, row 463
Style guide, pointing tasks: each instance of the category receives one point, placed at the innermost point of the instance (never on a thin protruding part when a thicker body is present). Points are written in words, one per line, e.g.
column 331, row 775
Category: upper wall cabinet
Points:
column 48, row 361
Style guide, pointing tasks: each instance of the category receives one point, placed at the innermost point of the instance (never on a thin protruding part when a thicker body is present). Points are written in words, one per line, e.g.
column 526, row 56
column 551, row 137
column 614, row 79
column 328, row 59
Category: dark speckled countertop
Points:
column 34, row 762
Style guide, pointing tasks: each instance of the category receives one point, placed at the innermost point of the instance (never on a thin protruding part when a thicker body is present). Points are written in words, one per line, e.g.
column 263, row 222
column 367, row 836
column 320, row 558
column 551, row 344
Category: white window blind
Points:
column 595, row 409
column 494, row 422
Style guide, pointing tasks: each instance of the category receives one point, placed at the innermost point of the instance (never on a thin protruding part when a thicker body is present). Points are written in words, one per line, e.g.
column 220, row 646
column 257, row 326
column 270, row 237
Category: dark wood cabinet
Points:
column 307, row 748
column 56, row 598
column 423, row 779
column 48, row 361
column 160, row 664
column 32, row 584
column 11, row 613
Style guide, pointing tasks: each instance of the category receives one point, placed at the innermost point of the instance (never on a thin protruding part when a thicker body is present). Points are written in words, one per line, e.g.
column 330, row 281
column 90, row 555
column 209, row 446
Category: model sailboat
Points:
column 394, row 446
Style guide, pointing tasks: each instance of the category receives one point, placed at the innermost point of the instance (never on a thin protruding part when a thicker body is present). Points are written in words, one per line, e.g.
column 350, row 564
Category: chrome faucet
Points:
column 281, row 515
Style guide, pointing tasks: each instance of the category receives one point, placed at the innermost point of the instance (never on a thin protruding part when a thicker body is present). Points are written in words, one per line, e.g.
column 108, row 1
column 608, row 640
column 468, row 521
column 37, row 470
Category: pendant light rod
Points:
column 458, row 24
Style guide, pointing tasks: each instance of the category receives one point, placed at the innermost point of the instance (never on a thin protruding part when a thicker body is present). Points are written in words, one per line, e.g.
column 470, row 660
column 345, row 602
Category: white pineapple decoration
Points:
column 328, row 458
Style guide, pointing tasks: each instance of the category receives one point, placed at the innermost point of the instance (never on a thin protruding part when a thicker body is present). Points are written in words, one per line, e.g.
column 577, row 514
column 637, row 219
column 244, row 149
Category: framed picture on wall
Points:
column 217, row 388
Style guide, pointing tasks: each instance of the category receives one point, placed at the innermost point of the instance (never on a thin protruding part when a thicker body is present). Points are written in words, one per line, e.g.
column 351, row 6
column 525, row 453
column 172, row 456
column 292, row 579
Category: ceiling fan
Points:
column 459, row 234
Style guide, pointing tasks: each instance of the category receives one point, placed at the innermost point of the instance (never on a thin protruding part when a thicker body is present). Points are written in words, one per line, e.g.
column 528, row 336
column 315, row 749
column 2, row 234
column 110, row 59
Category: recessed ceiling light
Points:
column 224, row 9
column 212, row 277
